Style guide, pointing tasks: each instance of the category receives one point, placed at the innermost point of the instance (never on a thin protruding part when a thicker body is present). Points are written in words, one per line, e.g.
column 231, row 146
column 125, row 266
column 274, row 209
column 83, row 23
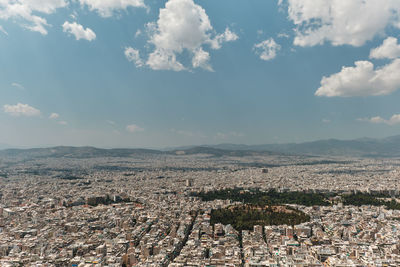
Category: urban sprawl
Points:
column 144, row 210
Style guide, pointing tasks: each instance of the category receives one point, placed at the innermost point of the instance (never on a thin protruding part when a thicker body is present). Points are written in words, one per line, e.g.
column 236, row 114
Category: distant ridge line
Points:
column 361, row 147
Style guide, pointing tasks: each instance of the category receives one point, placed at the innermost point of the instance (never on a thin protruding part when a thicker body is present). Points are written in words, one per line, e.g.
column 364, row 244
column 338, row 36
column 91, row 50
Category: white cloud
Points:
column 376, row 119
column 23, row 11
column 341, row 22
column 106, row 8
column 201, row 59
column 267, row 49
column 326, row 120
column 162, row 59
column 19, row 86
column 44, row 6
column 133, row 128
column 283, row 35
column 2, row 30
column 78, row 31
column 21, row 110
column 133, row 55
column 54, row 116
column 138, row 33
column 183, row 26
column 362, row 80
column 388, row 49
column 226, row 36
column 395, row 119
column 29, row 13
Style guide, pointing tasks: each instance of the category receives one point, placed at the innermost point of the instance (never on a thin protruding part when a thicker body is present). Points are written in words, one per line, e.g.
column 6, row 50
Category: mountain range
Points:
column 363, row 147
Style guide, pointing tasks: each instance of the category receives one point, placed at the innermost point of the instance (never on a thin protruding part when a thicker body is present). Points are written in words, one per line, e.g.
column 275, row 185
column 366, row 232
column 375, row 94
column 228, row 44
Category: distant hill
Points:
column 4, row 146
column 363, row 147
column 77, row 152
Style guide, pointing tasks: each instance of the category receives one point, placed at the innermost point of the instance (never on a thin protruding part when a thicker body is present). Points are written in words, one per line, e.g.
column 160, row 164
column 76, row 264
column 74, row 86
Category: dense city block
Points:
column 198, row 209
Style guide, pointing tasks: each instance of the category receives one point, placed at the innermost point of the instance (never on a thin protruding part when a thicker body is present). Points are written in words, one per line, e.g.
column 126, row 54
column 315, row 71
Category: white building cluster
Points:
column 138, row 211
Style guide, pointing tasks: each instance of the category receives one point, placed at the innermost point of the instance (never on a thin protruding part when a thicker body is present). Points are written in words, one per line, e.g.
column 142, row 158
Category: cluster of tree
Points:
column 243, row 218
column 360, row 199
column 107, row 200
column 271, row 197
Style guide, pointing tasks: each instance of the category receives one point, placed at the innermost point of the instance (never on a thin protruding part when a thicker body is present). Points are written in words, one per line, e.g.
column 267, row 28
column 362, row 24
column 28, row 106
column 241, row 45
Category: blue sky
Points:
column 147, row 73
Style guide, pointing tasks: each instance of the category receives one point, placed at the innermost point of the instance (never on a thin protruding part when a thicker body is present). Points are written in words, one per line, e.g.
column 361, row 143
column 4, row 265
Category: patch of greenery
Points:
column 360, row 199
column 271, row 197
column 244, row 217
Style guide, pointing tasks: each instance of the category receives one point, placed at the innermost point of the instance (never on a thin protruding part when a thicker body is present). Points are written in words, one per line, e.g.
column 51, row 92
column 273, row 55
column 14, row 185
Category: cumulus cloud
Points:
column 21, row 110
column 201, row 59
column 44, row 6
column 182, row 26
column 226, row 36
column 133, row 128
column 54, row 116
column 267, row 49
column 341, row 22
column 362, row 80
column 29, row 13
column 25, row 12
column 133, row 55
column 63, row 123
column 162, row 59
column 106, row 8
column 395, row 119
column 388, row 49
column 78, row 31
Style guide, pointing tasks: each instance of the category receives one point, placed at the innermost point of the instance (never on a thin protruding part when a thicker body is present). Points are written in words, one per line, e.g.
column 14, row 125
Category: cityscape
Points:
column 147, row 209
column 199, row 133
